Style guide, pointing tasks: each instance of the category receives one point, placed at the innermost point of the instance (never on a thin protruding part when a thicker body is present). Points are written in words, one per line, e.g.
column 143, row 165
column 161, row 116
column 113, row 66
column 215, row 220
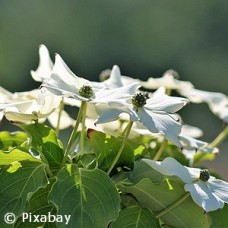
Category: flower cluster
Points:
column 126, row 108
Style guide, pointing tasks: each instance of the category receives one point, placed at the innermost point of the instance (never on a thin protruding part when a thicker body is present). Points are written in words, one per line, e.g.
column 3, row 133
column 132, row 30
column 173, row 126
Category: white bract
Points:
column 37, row 106
column 168, row 81
column 217, row 102
column 206, row 191
column 155, row 113
column 117, row 80
column 63, row 82
column 45, row 66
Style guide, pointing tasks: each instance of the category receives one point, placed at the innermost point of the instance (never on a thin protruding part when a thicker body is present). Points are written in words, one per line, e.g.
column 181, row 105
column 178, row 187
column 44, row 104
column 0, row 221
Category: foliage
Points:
column 110, row 174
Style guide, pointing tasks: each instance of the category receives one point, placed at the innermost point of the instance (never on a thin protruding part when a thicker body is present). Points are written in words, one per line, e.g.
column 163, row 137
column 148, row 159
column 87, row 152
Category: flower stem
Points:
column 174, row 205
column 61, row 107
column 219, row 139
column 128, row 129
column 82, row 138
column 161, row 150
column 73, row 134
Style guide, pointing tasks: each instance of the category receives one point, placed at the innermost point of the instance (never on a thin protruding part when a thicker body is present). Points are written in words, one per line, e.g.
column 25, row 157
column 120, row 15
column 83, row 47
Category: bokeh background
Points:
column 145, row 38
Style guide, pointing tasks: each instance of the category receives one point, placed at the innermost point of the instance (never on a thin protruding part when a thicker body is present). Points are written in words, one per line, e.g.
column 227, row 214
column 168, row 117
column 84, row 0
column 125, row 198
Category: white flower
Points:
column 36, row 107
column 217, row 102
column 117, row 80
column 154, row 113
column 63, row 82
column 206, row 191
column 168, row 81
column 45, row 66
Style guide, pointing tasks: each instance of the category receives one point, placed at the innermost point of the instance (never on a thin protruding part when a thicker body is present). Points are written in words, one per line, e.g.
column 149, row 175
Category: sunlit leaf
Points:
column 106, row 148
column 12, row 139
column 18, row 182
column 89, row 196
column 17, row 154
column 44, row 140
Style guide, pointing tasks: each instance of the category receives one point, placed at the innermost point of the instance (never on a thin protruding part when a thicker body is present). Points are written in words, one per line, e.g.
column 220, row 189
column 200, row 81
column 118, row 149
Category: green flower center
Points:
column 204, row 175
column 139, row 99
column 86, row 91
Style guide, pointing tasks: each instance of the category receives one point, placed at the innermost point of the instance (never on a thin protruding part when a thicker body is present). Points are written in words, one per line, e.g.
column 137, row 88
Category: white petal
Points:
column 220, row 110
column 115, row 78
column 170, row 167
column 108, row 113
column 108, row 116
column 191, row 143
column 198, row 96
column 107, row 95
column 162, row 102
column 219, row 188
column 168, row 81
column 45, row 65
column 63, row 81
column 161, row 123
column 191, row 131
column 203, row 196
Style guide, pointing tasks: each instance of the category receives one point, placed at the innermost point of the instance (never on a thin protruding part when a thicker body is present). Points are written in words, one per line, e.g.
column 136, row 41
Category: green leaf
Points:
column 200, row 157
column 12, row 139
column 17, row 154
column 106, row 148
column 219, row 217
column 18, row 182
column 158, row 197
column 135, row 217
column 38, row 205
column 143, row 170
column 89, row 196
column 44, row 140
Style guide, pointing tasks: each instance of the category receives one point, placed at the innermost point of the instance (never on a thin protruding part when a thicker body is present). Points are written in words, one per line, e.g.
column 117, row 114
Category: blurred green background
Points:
column 145, row 38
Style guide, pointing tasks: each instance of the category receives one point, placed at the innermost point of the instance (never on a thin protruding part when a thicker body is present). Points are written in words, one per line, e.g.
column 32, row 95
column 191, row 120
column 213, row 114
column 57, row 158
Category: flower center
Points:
column 204, row 175
column 104, row 75
column 139, row 99
column 86, row 91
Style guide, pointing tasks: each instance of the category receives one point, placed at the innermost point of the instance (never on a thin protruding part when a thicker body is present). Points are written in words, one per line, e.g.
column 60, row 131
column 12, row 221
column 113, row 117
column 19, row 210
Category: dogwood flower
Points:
column 63, row 82
column 168, row 80
column 33, row 108
column 206, row 191
column 217, row 102
column 154, row 113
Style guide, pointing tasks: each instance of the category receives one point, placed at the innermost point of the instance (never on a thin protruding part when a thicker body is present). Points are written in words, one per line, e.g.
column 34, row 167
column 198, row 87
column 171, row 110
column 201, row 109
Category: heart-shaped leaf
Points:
column 19, row 181
column 89, row 196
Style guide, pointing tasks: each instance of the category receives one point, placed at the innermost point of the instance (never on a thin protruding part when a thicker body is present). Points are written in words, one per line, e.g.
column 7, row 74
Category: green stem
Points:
column 174, row 205
column 82, row 138
column 161, row 150
column 73, row 134
column 128, row 129
column 48, row 170
column 61, row 107
column 219, row 139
